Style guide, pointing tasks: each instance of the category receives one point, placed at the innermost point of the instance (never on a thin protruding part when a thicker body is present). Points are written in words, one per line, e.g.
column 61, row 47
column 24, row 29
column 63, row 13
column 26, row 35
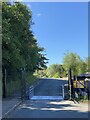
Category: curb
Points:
column 13, row 108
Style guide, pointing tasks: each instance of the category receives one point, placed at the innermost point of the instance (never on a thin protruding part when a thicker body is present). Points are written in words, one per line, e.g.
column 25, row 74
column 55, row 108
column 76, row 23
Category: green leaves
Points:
column 55, row 70
column 70, row 60
column 73, row 61
column 20, row 47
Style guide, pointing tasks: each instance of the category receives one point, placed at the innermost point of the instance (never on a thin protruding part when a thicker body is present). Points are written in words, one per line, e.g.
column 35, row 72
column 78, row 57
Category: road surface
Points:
column 49, row 87
column 49, row 108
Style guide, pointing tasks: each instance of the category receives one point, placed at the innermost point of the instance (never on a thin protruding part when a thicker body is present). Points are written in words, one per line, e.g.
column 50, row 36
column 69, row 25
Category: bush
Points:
column 56, row 75
column 30, row 78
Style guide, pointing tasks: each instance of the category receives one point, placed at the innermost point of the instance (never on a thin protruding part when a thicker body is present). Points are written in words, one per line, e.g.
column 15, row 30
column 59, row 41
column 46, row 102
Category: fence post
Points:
column 4, row 82
column 23, row 84
column 74, row 87
column 63, row 91
column 72, row 90
column 31, row 93
column 69, row 81
column 88, row 91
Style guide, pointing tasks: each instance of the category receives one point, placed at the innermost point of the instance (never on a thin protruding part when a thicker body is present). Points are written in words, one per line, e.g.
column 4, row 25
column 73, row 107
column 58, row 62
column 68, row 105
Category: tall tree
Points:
column 73, row 61
column 19, row 46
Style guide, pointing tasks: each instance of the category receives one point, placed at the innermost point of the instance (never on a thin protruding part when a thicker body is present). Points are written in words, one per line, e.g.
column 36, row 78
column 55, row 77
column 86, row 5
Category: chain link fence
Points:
column 11, row 83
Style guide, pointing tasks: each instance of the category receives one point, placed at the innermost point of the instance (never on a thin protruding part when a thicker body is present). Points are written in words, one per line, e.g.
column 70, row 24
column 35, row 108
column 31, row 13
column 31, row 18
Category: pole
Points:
column 23, row 84
column 73, row 87
column 69, row 81
column 72, row 91
column 63, row 91
column 88, row 86
column 4, row 82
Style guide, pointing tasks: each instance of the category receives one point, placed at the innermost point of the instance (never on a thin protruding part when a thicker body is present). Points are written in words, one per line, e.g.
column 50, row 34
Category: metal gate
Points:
column 60, row 96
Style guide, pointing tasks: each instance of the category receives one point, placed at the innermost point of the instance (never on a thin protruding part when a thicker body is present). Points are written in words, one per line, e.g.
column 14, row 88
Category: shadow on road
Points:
column 50, row 109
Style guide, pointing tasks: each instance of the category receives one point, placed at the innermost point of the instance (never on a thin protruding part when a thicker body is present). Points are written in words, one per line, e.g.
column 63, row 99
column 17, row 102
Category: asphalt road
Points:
column 49, row 87
column 49, row 108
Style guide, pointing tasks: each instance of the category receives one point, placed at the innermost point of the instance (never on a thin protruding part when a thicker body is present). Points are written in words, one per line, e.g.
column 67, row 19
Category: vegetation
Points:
column 41, row 73
column 56, row 75
column 73, row 61
column 19, row 46
column 88, row 63
column 55, row 70
column 70, row 60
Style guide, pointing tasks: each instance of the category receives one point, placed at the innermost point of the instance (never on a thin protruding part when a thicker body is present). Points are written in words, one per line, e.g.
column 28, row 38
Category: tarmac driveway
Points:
column 50, row 108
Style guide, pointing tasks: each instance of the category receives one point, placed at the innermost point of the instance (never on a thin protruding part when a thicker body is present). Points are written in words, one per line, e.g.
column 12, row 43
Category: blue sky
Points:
column 60, row 27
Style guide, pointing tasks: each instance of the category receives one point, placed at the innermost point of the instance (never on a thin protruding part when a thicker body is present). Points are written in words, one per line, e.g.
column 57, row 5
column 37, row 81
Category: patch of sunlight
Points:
column 61, row 102
column 70, row 105
column 53, row 109
column 31, row 108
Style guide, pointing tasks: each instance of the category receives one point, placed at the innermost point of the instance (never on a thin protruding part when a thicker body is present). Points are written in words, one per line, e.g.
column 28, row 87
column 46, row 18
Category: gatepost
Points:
column 70, row 83
column 4, row 82
column 23, row 84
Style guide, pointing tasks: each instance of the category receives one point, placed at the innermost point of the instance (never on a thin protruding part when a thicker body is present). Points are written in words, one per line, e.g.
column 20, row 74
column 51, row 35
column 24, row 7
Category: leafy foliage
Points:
column 56, row 75
column 19, row 46
column 70, row 60
column 88, row 63
column 55, row 70
column 73, row 61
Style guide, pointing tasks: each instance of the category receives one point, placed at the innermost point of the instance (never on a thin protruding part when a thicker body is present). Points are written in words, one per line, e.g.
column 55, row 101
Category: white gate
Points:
column 59, row 97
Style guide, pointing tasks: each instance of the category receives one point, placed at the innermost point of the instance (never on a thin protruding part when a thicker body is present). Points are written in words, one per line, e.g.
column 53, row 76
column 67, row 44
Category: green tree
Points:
column 82, row 67
column 56, row 75
column 88, row 63
column 20, row 48
column 73, row 61
column 55, row 68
